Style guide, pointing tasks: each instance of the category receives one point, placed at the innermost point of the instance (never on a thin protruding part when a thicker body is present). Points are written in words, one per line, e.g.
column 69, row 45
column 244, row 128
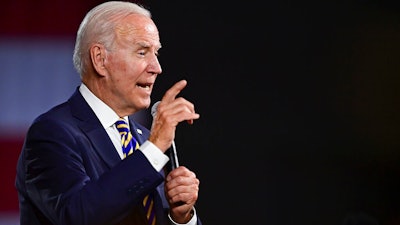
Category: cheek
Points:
column 117, row 65
column 123, row 66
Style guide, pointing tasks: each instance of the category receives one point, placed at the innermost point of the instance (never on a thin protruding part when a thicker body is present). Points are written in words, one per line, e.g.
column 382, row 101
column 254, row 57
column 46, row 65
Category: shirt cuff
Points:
column 192, row 221
column 155, row 156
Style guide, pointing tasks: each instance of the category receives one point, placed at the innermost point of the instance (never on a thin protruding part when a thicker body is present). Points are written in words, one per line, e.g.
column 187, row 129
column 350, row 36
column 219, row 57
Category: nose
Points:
column 154, row 66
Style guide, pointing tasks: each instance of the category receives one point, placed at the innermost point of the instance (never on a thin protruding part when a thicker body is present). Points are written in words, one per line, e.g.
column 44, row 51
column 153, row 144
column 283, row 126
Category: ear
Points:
column 98, row 57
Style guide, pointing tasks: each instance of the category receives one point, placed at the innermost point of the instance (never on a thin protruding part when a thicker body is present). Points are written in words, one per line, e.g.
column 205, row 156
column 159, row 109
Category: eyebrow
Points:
column 147, row 45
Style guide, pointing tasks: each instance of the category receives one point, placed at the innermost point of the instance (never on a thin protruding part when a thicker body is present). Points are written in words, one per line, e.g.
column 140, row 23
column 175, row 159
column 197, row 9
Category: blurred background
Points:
column 298, row 102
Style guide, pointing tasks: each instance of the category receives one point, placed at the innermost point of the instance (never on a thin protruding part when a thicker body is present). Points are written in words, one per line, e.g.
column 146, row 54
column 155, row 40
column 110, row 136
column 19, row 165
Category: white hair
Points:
column 97, row 27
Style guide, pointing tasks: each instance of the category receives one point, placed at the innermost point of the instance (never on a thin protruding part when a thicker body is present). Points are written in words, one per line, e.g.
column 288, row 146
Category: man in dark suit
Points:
column 72, row 169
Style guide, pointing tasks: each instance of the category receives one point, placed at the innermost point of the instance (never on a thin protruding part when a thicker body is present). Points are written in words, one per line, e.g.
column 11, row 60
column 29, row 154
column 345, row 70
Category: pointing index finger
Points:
column 171, row 94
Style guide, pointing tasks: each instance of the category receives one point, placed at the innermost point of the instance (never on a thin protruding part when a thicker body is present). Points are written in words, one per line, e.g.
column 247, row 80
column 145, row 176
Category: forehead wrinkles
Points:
column 132, row 32
column 125, row 29
column 125, row 34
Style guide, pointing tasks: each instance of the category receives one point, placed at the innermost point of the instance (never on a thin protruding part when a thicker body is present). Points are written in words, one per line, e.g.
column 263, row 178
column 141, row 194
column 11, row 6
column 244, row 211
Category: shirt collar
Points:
column 104, row 113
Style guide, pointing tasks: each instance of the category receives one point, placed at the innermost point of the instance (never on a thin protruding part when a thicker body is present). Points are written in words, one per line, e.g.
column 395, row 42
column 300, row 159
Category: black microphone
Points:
column 173, row 156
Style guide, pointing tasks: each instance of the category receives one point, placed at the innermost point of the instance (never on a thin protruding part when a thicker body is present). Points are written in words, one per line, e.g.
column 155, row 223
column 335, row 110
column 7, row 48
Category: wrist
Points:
column 183, row 219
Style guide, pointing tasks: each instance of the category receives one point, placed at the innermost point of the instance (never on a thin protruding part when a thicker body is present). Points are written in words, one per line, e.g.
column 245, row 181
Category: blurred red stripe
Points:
column 43, row 17
column 9, row 152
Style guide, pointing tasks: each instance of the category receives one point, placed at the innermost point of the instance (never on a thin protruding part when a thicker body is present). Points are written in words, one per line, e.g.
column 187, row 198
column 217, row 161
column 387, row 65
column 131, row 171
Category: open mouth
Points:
column 146, row 86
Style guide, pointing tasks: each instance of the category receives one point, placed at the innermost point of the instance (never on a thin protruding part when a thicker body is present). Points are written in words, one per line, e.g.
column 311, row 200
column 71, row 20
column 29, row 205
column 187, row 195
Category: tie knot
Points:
column 122, row 125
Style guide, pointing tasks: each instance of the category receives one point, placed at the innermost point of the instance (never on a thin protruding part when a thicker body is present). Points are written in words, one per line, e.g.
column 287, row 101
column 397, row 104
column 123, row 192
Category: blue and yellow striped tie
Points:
column 129, row 144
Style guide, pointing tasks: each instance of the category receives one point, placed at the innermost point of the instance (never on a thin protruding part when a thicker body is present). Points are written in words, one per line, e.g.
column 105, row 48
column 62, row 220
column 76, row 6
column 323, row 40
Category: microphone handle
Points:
column 174, row 157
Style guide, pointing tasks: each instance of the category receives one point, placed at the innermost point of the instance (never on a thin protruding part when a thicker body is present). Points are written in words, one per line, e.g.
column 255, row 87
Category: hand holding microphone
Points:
column 173, row 156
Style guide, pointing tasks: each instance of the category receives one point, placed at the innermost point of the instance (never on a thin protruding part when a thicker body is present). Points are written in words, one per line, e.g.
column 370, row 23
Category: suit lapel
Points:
column 91, row 126
column 140, row 133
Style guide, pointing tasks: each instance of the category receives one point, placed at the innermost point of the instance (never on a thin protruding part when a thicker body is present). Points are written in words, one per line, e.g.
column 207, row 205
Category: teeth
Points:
column 144, row 86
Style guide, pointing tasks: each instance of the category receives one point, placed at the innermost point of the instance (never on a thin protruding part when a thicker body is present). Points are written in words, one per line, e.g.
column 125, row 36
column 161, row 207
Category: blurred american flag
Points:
column 36, row 47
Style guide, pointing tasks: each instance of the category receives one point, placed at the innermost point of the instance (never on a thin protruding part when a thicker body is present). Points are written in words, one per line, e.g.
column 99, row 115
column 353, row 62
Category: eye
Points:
column 142, row 53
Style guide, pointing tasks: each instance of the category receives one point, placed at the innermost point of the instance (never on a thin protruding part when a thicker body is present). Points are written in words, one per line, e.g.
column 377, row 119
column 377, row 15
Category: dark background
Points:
column 299, row 108
column 298, row 103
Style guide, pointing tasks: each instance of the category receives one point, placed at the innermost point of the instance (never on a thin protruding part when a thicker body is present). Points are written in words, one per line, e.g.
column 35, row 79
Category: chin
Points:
column 146, row 104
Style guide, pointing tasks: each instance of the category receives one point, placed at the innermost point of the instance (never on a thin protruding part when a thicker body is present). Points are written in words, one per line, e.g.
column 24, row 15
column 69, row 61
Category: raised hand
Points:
column 170, row 111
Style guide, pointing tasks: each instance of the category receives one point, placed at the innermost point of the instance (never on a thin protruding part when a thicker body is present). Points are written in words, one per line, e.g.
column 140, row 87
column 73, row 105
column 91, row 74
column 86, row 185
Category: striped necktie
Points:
column 129, row 144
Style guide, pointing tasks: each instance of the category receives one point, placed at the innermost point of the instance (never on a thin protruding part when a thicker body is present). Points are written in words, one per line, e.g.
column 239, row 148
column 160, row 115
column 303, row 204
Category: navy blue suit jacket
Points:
column 70, row 173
